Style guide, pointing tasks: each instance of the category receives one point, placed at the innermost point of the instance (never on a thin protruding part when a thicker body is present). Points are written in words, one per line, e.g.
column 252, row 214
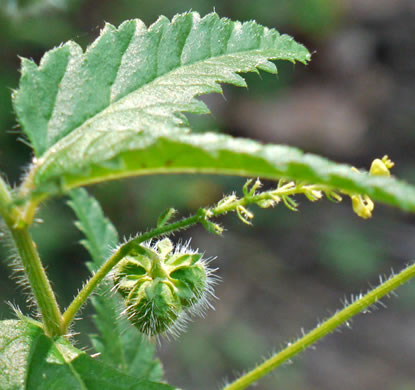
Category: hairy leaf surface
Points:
column 76, row 163
column 31, row 360
column 119, row 344
column 137, row 78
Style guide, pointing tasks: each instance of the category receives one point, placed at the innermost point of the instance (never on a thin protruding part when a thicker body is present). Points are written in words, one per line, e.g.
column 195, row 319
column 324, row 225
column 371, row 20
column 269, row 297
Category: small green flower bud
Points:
column 165, row 217
column 160, row 285
column 244, row 215
column 266, row 203
column 248, row 192
column 212, row 227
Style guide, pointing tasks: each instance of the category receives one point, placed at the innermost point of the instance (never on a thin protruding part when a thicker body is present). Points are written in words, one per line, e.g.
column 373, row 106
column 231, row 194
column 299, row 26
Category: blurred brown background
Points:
column 354, row 102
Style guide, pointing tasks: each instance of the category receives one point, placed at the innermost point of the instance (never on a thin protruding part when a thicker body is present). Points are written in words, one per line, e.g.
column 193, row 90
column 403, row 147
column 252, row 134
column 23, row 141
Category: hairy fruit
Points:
column 160, row 285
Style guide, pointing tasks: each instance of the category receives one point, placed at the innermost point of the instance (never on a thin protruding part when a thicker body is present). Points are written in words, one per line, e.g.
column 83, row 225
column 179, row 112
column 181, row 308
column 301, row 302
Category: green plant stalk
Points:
column 323, row 329
column 92, row 283
column 200, row 216
column 5, row 199
column 31, row 199
column 36, row 275
column 39, row 282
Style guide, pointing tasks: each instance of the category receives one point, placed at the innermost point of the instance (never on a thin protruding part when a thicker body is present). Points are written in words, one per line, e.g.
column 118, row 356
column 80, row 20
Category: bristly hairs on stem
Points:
column 359, row 304
column 18, row 273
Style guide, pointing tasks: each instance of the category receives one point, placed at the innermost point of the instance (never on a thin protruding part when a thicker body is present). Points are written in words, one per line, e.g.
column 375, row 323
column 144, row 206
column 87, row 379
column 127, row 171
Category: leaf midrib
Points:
column 72, row 368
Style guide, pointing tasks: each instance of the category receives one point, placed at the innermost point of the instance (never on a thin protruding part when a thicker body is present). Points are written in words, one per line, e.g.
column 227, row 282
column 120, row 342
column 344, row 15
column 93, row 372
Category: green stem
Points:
column 38, row 280
column 89, row 287
column 202, row 216
column 29, row 198
column 5, row 199
column 323, row 329
column 32, row 265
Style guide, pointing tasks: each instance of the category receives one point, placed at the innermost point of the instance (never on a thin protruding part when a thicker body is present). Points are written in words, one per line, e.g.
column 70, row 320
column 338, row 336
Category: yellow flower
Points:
column 362, row 206
column 381, row 167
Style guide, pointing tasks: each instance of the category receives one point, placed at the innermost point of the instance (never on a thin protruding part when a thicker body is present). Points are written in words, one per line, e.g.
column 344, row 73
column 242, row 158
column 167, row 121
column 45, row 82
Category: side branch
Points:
column 323, row 329
column 229, row 204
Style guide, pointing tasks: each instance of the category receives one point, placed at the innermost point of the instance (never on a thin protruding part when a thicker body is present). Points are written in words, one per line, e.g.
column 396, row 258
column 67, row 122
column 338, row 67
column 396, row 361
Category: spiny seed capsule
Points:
column 160, row 285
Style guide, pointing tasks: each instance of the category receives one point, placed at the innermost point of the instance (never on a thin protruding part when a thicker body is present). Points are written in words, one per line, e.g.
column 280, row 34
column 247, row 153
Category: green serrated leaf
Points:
column 31, row 360
column 118, row 343
column 135, row 78
column 101, row 235
column 75, row 163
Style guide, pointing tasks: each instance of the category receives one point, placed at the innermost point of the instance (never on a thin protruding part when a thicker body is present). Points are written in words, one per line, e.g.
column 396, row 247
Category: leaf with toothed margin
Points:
column 100, row 234
column 31, row 360
column 93, row 117
column 118, row 343
column 137, row 78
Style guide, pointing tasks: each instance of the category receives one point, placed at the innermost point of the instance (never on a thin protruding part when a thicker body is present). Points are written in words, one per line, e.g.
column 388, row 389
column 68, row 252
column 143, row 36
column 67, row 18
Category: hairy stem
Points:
column 89, row 287
column 323, row 329
column 5, row 198
column 202, row 216
column 36, row 275
column 38, row 280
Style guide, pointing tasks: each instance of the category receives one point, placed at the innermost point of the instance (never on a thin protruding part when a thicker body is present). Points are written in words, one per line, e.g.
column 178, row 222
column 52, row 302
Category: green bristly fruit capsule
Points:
column 160, row 285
